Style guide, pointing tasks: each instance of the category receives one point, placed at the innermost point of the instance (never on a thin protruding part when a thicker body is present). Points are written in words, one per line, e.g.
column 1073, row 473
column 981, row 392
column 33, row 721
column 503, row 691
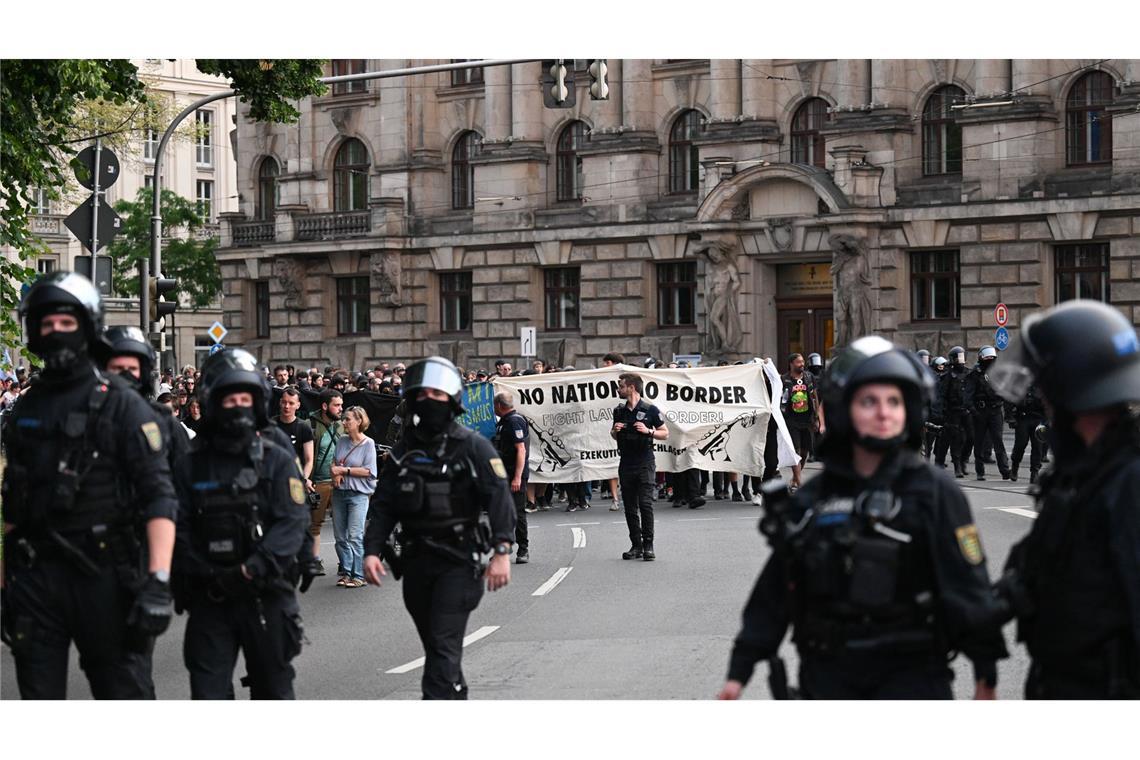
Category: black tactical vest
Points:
column 226, row 520
column 435, row 493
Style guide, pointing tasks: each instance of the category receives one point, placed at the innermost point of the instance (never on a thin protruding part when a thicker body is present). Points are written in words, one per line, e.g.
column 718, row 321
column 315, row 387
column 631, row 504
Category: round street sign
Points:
column 216, row 348
column 108, row 168
column 1001, row 314
column 1001, row 339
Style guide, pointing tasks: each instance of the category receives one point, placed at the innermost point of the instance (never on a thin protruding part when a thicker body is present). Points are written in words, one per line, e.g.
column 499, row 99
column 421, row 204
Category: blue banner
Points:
column 478, row 400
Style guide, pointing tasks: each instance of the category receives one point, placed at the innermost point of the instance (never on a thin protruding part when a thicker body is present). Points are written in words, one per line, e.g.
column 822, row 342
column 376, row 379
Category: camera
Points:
column 314, row 499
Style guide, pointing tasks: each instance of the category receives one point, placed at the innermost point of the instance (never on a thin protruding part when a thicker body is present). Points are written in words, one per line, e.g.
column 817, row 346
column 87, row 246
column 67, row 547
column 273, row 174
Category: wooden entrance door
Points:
column 805, row 331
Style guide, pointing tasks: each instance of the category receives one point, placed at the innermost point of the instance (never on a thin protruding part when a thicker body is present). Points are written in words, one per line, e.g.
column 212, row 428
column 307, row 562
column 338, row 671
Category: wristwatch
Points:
column 503, row 548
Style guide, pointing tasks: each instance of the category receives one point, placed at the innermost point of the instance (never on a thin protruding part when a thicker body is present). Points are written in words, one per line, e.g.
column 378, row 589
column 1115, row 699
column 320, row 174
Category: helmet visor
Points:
column 431, row 374
column 1013, row 375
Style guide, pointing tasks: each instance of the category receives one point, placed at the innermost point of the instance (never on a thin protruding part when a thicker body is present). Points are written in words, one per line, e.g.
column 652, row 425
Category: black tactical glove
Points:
column 150, row 614
column 310, row 568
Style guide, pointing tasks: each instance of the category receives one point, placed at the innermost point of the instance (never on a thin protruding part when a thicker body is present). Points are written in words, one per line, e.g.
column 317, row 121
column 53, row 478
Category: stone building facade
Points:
column 731, row 208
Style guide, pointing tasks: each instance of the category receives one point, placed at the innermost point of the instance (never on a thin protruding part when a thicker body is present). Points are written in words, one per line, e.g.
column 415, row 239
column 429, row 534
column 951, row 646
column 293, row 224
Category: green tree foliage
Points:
column 52, row 109
column 185, row 258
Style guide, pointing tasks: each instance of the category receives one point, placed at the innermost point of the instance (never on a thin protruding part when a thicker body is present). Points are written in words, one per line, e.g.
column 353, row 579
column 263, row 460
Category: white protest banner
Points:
column 717, row 418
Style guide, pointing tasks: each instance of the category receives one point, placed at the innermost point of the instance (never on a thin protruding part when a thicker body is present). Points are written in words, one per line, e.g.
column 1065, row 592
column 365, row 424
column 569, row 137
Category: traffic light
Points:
column 557, row 85
column 159, row 307
column 599, row 87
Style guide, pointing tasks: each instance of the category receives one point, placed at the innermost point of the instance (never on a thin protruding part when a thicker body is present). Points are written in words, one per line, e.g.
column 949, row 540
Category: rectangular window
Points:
column 677, row 294
column 45, row 266
column 205, row 199
column 454, row 301
column 261, row 308
column 41, row 203
column 460, row 77
column 204, row 138
column 1081, row 271
column 345, row 66
column 150, row 144
column 352, row 306
column 934, row 285
column 563, row 294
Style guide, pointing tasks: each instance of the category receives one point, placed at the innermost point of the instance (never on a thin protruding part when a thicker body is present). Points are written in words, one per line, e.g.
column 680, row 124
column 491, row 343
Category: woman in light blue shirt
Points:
column 354, row 479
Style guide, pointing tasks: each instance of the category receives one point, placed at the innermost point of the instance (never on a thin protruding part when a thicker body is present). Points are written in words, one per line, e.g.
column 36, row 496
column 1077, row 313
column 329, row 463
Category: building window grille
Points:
column 350, row 177
column 462, row 173
column 568, row 164
column 345, row 66
column 807, row 142
column 455, row 301
column 1088, row 125
column 934, row 285
column 677, row 294
column 352, row 306
column 941, row 134
column 684, row 156
column 1081, row 271
column 563, row 296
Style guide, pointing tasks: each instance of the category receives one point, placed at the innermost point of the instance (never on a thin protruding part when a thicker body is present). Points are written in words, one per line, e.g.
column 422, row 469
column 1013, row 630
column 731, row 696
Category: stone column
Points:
column 498, row 102
column 991, row 76
column 888, row 81
column 724, row 75
column 637, row 94
column 758, row 93
column 1031, row 71
column 852, row 78
column 526, row 101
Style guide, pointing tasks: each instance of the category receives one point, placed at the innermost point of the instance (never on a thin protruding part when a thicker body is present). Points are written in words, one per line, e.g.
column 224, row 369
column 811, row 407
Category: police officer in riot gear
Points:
column 923, row 356
column 437, row 484
column 241, row 526
column 815, row 366
column 1074, row 581
column 877, row 565
column 1025, row 418
column 957, row 433
column 935, row 425
column 986, row 408
column 89, row 509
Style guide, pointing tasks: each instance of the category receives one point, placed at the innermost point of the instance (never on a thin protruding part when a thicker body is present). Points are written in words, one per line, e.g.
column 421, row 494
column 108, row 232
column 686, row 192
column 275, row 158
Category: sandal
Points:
column 342, row 581
column 355, row 583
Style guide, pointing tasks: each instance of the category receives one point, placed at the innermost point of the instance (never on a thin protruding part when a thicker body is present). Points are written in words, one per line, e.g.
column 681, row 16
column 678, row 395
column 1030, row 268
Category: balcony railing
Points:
column 208, row 231
column 43, row 224
column 253, row 233
column 335, row 225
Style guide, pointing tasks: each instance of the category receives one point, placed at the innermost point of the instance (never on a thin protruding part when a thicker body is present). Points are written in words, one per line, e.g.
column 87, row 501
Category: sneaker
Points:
column 633, row 553
column 543, row 507
column 717, row 496
column 981, row 477
column 561, row 497
column 647, row 554
column 680, row 503
column 615, row 507
column 696, row 503
column 320, row 569
column 584, row 506
column 522, row 558
column 572, row 508
column 757, row 500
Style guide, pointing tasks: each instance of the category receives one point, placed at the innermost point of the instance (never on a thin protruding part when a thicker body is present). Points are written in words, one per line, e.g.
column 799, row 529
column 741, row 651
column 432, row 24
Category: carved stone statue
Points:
column 722, row 288
column 290, row 274
column 851, row 275
column 385, row 267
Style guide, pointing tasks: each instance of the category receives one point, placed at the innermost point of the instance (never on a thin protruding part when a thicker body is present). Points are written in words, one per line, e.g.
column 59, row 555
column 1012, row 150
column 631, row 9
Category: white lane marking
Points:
column 570, row 525
column 696, row 519
column 555, row 579
column 482, row 633
column 579, row 537
column 1020, row 511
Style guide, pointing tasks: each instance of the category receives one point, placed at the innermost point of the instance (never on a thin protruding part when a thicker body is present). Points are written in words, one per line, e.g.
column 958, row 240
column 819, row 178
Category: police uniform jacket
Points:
column 479, row 476
column 951, row 390
column 978, row 394
column 940, row 585
column 1081, row 566
column 279, row 494
column 62, row 424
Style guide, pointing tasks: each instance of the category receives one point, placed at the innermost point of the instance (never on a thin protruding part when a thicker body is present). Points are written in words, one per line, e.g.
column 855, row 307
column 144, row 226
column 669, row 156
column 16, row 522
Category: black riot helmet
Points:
column 233, row 370
column 873, row 359
column 438, row 373
column 815, row 364
column 940, row 364
column 1059, row 346
column 956, row 356
column 923, row 355
column 62, row 293
column 129, row 340
column 987, row 355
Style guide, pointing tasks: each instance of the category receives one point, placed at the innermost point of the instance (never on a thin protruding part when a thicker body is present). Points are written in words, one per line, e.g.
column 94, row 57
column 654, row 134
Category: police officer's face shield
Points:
column 434, row 375
column 1012, row 376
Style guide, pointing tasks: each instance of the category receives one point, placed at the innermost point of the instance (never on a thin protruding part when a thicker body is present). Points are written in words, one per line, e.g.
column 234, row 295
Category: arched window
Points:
column 941, row 134
column 684, row 165
column 807, row 142
column 267, row 188
column 462, row 175
column 350, row 177
column 568, row 164
column 1088, row 126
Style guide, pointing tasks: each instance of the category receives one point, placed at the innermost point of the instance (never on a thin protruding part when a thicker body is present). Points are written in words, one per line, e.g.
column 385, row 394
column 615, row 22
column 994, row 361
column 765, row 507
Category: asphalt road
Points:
column 578, row 622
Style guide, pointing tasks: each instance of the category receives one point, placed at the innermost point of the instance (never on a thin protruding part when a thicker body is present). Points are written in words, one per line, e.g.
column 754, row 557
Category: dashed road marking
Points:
column 696, row 519
column 1032, row 515
column 471, row 638
column 579, row 537
column 555, row 579
column 570, row 525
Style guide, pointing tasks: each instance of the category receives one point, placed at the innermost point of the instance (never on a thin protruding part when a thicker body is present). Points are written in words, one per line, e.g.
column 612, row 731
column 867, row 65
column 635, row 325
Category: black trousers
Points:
column 522, row 538
column 957, row 438
column 880, row 677
column 440, row 595
column 637, row 495
column 1024, row 434
column 687, row 485
column 216, row 631
column 52, row 604
column 987, row 426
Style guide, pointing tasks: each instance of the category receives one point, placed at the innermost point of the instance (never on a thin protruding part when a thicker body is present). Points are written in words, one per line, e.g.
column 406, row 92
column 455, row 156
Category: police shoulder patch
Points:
column 153, row 435
column 519, row 434
column 497, row 466
column 969, row 543
column 297, row 490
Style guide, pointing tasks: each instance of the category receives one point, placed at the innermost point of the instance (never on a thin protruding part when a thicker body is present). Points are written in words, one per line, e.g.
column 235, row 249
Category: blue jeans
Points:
column 349, row 510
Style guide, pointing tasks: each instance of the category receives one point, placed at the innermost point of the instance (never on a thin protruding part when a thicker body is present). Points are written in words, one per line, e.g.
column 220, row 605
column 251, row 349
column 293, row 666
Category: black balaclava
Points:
column 62, row 352
column 234, row 428
column 429, row 418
